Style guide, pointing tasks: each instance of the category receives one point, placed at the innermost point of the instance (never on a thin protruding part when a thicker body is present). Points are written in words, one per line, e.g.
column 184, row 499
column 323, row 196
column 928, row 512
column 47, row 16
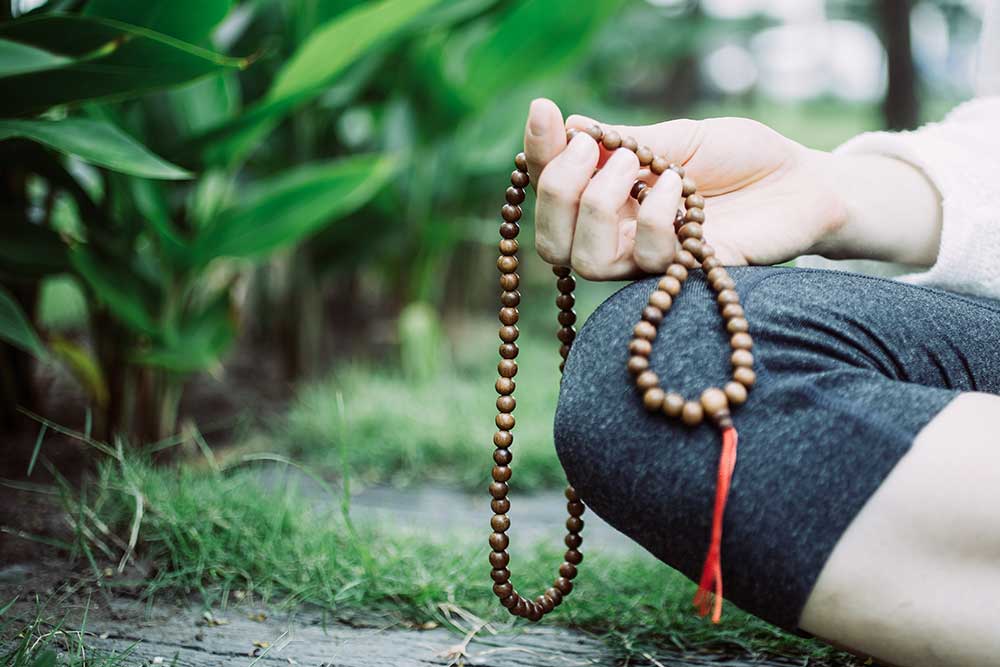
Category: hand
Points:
column 768, row 198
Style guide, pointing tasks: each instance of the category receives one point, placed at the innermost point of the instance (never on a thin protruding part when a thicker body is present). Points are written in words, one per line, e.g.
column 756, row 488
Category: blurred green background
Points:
column 273, row 222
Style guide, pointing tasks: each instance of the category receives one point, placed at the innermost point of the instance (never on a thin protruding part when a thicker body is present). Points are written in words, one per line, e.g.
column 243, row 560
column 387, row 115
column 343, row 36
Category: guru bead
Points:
column 713, row 402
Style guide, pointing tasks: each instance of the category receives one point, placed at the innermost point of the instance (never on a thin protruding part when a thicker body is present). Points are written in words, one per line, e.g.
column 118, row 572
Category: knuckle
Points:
column 551, row 252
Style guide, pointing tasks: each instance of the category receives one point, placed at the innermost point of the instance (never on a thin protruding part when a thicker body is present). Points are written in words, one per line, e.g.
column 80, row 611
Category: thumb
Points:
column 544, row 135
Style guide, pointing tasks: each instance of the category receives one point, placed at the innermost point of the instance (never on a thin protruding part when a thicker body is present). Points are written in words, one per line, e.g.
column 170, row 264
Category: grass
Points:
column 206, row 532
column 391, row 427
column 38, row 641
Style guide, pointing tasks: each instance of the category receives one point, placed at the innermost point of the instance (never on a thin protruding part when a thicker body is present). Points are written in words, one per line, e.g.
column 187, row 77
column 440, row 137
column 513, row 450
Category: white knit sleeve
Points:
column 961, row 157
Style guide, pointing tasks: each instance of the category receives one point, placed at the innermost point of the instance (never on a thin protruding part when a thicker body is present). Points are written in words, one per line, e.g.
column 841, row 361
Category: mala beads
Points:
column 714, row 403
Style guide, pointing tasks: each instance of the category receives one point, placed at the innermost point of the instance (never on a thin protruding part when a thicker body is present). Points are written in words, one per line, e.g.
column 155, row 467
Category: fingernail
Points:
column 537, row 121
column 578, row 146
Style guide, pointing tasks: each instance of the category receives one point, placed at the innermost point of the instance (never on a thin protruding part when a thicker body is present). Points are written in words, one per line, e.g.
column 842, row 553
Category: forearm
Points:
column 890, row 211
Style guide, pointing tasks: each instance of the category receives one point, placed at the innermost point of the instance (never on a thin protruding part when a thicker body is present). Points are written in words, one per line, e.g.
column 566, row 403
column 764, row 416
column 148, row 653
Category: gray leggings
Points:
column 849, row 369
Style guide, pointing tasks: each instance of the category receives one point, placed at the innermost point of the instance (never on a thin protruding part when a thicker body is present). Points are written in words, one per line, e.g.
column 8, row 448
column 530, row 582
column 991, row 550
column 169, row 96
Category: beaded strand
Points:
column 714, row 403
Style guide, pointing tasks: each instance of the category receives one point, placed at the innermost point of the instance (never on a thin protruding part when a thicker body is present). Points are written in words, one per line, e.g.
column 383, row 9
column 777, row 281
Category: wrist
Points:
column 886, row 210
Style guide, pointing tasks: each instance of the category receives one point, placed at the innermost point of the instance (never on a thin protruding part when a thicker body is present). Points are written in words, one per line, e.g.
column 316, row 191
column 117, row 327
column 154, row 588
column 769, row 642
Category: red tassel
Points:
column 707, row 599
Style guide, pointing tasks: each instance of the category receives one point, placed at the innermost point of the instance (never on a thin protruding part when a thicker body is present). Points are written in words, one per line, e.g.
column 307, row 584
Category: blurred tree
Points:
column 901, row 107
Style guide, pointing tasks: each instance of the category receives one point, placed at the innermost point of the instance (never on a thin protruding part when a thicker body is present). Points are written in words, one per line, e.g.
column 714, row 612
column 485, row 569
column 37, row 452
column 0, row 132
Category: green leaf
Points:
column 112, row 60
column 328, row 51
column 280, row 211
column 97, row 142
column 546, row 35
column 16, row 329
column 19, row 58
column 84, row 367
column 190, row 20
column 199, row 342
column 120, row 289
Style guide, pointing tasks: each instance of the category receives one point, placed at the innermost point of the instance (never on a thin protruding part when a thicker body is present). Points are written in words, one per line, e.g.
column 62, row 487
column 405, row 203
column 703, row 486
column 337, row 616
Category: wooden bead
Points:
column 641, row 197
column 677, row 169
column 510, row 281
column 658, row 165
column 514, row 196
column 727, row 296
column 563, row 585
column 692, row 413
column 645, row 155
column 687, row 186
column 660, row 299
column 511, row 601
column 505, row 386
column 502, row 590
column 510, row 299
column 500, row 505
column 575, row 508
column 653, row 315
column 640, row 347
column 725, row 282
column 637, row 187
column 561, row 271
column 566, row 335
column 508, row 334
column 745, row 376
column 555, row 595
column 505, row 421
column 710, row 263
column 736, row 393
column 693, row 246
column 573, row 541
column 574, row 556
column 499, row 559
column 502, row 457
column 499, row 490
column 500, row 523
column 564, row 351
column 595, row 132
column 707, row 250
column 691, row 230
column 714, row 401
column 519, row 179
column 544, row 603
column 508, row 246
column 508, row 315
column 508, row 350
column 565, row 301
column 741, row 340
column 612, row 140
column 571, row 133
column 742, row 358
column 511, row 213
column 670, row 284
column 574, row 524
column 692, row 201
column 644, row 330
column 629, row 143
column 503, row 438
column 567, row 318
column 521, row 161
column 637, row 364
column 499, row 541
column 694, row 215
column 509, row 230
column 570, row 494
column 567, row 570
column 716, row 273
column 733, row 310
column 677, row 271
column 686, row 259
column 653, row 399
column 673, row 404
column 647, row 380
column 737, row 325
column 506, row 403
